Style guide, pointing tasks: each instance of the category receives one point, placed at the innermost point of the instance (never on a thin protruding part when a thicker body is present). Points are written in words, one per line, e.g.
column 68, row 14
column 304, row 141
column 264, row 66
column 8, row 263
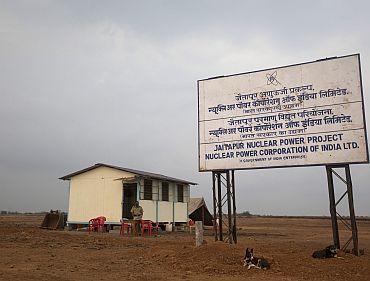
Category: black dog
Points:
column 252, row 261
column 329, row 252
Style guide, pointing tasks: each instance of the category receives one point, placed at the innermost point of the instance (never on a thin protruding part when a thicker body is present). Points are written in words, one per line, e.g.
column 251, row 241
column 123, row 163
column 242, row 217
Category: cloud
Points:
column 86, row 82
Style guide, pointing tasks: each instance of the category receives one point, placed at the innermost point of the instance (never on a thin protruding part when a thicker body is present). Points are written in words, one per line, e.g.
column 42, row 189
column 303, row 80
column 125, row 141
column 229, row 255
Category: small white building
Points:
column 110, row 191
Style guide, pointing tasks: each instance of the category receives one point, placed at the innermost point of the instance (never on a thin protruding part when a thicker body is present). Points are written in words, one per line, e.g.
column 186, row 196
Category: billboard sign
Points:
column 299, row 115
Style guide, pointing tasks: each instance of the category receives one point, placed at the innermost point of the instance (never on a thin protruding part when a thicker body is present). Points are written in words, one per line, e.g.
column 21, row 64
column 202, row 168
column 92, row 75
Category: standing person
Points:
column 137, row 214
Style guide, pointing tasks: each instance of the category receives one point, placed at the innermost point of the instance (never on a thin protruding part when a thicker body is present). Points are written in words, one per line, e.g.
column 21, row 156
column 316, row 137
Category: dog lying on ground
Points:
column 329, row 252
column 251, row 261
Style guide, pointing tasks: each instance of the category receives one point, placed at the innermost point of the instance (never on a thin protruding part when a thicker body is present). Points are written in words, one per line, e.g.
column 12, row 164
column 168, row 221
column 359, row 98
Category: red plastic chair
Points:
column 101, row 222
column 127, row 226
column 96, row 224
column 146, row 225
column 93, row 225
column 156, row 228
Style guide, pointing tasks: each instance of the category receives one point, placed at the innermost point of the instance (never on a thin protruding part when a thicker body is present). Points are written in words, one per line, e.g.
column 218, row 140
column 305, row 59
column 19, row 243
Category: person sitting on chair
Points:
column 137, row 214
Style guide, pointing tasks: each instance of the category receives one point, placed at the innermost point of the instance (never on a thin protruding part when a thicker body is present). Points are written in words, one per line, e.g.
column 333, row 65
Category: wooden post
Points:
column 198, row 233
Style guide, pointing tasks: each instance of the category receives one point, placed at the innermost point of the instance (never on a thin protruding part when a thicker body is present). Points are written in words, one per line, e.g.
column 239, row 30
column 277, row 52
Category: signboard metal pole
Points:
column 352, row 211
column 352, row 226
column 223, row 185
column 234, row 205
column 333, row 211
column 219, row 201
column 229, row 215
column 214, row 205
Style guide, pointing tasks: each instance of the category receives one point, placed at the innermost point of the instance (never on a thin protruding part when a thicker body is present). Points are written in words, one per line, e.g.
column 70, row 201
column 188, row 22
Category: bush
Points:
column 246, row 213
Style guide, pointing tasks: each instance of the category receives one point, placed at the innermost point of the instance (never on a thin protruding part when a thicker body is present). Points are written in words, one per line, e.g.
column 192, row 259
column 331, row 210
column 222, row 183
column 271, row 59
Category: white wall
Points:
column 181, row 212
column 96, row 193
column 149, row 208
column 166, row 211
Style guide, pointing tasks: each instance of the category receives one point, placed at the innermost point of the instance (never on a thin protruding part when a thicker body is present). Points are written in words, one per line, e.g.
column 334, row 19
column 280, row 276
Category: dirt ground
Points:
column 30, row 253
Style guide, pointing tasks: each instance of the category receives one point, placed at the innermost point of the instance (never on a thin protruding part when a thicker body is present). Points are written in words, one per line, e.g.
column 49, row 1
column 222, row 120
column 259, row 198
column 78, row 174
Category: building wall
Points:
column 165, row 211
column 149, row 208
column 181, row 212
column 96, row 193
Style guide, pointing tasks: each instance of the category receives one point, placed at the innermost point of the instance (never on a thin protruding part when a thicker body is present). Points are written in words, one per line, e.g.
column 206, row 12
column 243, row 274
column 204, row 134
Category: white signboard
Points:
column 299, row 115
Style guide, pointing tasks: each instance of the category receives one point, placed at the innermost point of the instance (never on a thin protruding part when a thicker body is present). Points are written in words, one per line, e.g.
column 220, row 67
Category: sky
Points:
column 83, row 82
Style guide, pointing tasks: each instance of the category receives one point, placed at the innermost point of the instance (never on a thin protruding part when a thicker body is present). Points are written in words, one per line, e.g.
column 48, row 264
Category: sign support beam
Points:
column 352, row 211
column 352, row 226
column 332, row 206
column 234, row 205
column 219, row 205
column 224, row 195
column 214, row 205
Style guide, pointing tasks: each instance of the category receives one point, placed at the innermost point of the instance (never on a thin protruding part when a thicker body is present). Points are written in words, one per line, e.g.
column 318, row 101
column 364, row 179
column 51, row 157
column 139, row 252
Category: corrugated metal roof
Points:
column 137, row 172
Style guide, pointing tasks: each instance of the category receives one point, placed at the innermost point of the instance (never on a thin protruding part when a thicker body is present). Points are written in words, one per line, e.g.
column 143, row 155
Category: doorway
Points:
column 129, row 198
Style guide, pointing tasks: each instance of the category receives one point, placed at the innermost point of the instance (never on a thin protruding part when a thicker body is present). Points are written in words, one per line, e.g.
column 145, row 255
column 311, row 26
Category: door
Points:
column 129, row 198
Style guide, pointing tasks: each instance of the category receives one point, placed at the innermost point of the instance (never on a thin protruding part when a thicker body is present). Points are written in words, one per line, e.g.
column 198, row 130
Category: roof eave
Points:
column 69, row 176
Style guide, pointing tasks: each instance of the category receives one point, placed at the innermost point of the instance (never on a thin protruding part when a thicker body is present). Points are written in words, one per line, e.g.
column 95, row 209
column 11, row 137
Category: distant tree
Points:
column 3, row 212
column 245, row 213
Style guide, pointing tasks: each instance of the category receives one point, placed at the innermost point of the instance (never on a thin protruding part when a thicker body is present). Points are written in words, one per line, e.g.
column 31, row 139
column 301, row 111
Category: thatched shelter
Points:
column 198, row 211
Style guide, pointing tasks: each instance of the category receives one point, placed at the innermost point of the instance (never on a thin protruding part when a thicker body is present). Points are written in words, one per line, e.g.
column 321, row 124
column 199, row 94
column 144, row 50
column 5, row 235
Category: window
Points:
column 165, row 191
column 147, row 190
column 180, row 193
